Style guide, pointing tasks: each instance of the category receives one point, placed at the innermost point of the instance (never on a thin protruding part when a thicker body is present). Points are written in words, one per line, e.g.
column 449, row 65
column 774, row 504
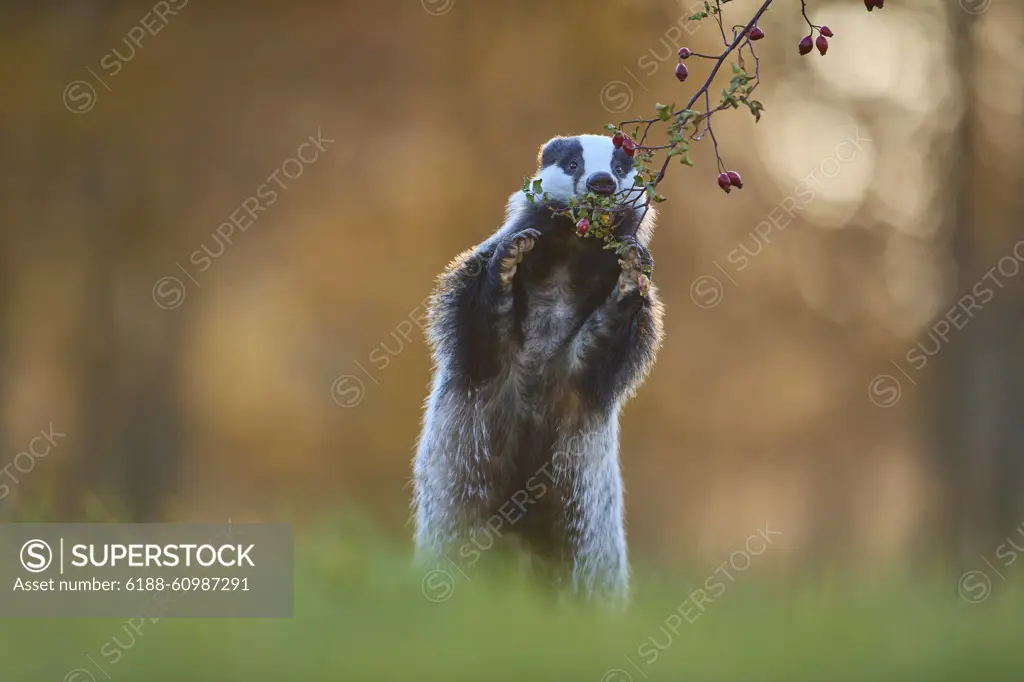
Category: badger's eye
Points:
column 618, row 169
column 573, row 166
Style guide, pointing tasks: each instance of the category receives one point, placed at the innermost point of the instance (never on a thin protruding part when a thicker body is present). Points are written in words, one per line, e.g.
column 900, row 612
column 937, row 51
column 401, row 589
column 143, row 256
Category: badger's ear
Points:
column 551, row 151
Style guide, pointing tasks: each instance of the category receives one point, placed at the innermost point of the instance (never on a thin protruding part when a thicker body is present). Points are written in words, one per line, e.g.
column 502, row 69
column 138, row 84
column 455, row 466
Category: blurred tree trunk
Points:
column 128, row 385
column 6, row 277
column 977, row 407
column 1011, row 454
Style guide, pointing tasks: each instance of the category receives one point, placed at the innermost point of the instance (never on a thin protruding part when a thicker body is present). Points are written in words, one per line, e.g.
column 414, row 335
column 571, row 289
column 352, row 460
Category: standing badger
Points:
column 538, row 338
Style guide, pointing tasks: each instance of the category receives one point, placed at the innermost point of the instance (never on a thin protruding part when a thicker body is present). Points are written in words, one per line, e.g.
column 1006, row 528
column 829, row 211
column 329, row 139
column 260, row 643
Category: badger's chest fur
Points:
column 560, row 285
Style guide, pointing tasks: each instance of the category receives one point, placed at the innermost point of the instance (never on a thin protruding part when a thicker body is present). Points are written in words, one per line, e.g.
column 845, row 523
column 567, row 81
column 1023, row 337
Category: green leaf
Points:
column 686, row 160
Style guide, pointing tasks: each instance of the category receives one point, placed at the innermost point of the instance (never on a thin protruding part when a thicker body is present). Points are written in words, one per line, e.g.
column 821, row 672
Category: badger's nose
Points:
column 601, row 183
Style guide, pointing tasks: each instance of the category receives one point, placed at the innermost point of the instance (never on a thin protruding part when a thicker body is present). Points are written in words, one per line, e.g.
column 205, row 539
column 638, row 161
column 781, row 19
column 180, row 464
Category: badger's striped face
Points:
column 572, row 166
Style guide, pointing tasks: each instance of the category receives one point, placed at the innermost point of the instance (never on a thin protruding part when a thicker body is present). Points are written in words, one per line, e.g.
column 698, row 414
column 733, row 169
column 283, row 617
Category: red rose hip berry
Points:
column 618, row 139
column 806, row 45
column 756, row 33
column 725, row 182
column 827, row 32
column 684, row 52
column 582, row 227
column 629, row 146
column 822, row 44
column 682, row 72
column 735, row 180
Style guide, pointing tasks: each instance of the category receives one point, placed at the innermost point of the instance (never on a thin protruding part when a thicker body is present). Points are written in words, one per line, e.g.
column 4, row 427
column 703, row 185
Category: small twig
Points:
column 803, row 11
column 711, row 77
column 718, row 18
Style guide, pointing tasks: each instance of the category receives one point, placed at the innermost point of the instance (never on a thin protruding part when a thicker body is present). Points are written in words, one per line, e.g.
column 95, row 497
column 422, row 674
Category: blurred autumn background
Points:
column 280, row 376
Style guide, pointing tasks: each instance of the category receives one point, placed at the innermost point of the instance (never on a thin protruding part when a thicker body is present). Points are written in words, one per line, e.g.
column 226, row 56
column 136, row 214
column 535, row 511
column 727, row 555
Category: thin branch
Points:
column 711, row 77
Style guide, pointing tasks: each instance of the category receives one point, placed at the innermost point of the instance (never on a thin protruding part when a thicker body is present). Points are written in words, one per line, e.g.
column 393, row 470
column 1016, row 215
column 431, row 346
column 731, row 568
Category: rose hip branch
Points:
column 686, row 125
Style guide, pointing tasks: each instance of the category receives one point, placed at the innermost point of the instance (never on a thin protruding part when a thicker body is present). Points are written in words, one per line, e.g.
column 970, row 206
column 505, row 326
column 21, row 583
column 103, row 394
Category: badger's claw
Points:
column 637, row 268
column 518, row 246
column 633, row 256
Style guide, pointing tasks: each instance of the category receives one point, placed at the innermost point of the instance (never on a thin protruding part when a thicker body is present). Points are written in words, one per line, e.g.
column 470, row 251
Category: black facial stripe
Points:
column 619, row 158
column 563, row 152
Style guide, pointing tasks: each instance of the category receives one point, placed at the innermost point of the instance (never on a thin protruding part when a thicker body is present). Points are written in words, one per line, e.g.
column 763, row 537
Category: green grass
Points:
column 361, row 615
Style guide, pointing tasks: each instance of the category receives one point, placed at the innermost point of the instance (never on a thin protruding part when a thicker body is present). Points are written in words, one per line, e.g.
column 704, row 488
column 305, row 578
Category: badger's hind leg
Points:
column 586, row 466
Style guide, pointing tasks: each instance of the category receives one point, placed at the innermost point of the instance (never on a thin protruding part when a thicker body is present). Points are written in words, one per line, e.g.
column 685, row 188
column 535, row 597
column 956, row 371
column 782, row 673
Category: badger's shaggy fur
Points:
column 538, row 337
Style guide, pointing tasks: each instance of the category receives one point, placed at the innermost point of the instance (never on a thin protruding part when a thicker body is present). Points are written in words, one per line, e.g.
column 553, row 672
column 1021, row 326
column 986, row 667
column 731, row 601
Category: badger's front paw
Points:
column 637, row 268
column 511, row 253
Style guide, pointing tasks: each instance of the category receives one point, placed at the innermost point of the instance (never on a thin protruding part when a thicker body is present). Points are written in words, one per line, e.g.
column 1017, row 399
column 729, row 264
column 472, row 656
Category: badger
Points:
column 538, row 338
